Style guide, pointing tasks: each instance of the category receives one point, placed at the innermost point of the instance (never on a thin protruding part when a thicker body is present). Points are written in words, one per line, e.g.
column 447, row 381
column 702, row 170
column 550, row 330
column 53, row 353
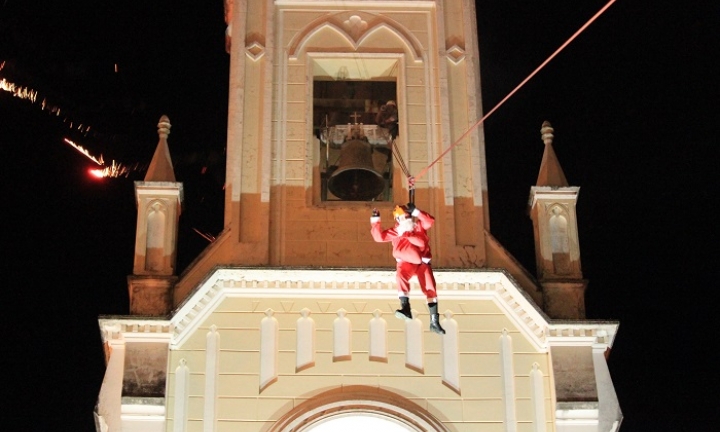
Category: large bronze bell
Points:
column 355, row 178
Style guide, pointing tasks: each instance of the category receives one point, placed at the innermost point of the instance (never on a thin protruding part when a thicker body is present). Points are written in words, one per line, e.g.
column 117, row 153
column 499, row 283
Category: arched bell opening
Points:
column 356, row 162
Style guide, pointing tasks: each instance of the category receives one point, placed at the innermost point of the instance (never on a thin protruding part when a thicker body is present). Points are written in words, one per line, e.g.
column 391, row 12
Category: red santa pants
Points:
column 423, row 271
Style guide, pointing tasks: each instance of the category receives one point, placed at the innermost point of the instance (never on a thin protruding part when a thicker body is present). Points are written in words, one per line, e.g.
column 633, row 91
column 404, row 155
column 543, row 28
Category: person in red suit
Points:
column 411, row 250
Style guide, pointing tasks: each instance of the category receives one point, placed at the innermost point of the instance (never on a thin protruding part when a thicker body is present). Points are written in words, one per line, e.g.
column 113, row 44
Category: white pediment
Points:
column 463, row 287
column 351, row 285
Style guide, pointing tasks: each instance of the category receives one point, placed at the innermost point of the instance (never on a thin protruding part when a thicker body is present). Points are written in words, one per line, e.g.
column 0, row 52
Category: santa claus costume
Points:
column 411, row 250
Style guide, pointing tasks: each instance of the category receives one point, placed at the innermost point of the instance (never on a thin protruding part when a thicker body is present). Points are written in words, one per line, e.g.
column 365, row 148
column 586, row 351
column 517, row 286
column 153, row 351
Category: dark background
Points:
column 633, row 99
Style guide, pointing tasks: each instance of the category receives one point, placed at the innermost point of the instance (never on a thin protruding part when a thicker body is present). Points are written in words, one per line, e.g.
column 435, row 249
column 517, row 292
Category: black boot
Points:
column 404, row 312
column 435, row 326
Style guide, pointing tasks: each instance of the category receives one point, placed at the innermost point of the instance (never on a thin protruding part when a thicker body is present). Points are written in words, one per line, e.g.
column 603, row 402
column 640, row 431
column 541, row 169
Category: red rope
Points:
column 464, row 135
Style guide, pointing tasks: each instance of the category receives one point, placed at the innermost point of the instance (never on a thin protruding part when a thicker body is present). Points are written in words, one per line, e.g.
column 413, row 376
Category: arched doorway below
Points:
column 356, row 409
column 360, row 422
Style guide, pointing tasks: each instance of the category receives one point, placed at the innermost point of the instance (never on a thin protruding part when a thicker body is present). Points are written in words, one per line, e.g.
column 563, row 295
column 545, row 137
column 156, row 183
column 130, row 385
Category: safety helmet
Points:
column 400, row 210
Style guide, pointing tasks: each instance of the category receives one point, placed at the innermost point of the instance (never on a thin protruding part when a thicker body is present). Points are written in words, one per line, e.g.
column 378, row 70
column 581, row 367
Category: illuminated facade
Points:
column 285, row 322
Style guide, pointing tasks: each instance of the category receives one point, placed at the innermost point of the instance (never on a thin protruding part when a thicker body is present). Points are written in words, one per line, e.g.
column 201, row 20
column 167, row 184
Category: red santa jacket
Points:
column 410, row 246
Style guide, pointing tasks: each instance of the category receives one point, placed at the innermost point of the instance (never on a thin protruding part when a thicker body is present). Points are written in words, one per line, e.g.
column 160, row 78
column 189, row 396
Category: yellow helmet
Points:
column 400, row 211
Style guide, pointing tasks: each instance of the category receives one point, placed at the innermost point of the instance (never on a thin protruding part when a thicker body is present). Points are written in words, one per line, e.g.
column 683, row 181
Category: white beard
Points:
column 405, row 225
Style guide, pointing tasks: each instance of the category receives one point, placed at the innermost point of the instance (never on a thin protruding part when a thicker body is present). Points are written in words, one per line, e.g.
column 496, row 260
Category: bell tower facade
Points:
column 288, row 319
column 307, row 79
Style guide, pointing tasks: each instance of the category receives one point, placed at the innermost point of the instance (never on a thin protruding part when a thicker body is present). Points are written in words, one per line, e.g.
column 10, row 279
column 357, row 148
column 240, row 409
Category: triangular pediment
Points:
column 461, row 292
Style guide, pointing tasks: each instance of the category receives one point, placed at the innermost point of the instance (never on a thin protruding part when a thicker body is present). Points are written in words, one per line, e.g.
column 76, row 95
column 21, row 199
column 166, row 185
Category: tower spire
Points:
column 551, row 173
column 557, row 246
column 161, row 167
column 159, row 202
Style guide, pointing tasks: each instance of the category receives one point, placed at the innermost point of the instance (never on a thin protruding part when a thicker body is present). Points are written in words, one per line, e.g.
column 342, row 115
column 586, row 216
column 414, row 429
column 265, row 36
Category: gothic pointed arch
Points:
column 354, row 28
column 559, row 239
column 156, row 236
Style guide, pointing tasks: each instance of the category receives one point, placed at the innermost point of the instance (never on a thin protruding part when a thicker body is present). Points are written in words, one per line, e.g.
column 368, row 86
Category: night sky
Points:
column 634, row 101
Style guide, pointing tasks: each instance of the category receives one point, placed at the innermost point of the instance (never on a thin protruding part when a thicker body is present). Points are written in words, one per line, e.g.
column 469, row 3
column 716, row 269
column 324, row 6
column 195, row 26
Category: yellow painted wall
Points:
column 241, row 404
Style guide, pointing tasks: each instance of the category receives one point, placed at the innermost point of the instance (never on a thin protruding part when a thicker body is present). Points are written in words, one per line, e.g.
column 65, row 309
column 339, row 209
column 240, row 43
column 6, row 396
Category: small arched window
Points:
column 155, row 240
column 559, row 241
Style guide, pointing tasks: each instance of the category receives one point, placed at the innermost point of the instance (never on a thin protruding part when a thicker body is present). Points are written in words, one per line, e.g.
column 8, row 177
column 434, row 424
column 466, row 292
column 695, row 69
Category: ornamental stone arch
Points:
column 381, row 53
column 357, row 29
column 358, row 401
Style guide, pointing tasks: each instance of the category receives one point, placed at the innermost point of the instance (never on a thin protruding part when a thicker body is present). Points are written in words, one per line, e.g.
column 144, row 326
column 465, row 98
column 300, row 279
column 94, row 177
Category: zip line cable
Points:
column 483, row 118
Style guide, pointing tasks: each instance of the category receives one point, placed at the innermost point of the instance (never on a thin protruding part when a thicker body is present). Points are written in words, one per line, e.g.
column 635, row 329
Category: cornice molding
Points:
column 123, row 329
column 599, row 334
column 348, row 284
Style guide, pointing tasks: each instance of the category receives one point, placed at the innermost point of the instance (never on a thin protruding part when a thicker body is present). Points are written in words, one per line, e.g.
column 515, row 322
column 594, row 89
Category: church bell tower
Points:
column 287, row 320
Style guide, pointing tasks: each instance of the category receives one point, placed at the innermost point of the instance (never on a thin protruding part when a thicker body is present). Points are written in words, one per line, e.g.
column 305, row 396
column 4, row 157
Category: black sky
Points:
column 634, row 101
